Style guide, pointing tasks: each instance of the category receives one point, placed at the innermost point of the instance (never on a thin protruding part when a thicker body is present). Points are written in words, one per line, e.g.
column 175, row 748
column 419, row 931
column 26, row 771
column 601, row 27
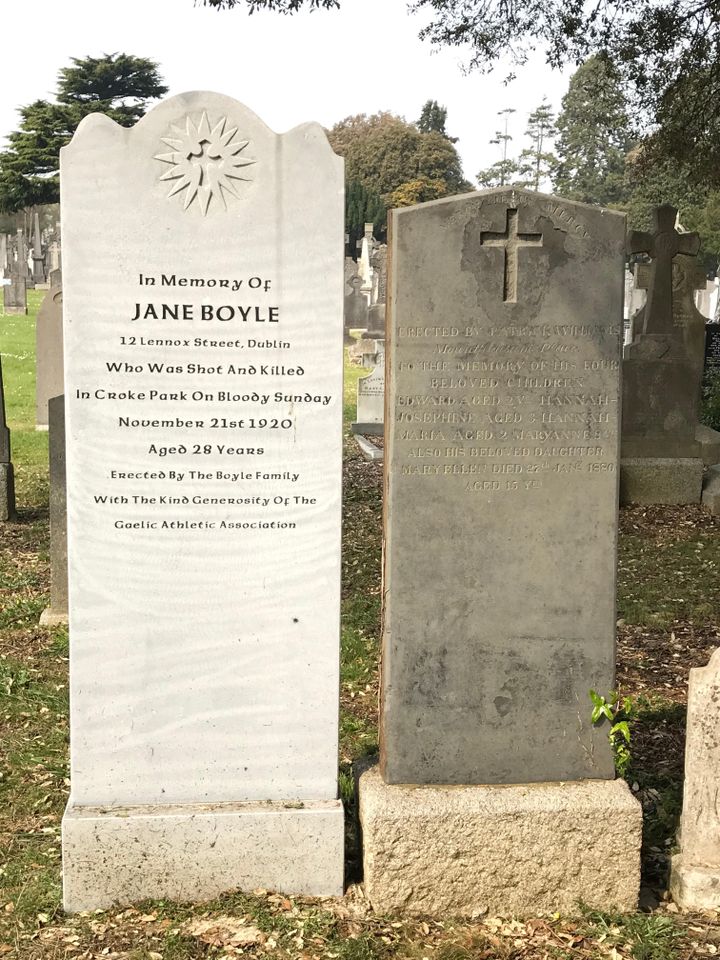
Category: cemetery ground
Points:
column 668, row 622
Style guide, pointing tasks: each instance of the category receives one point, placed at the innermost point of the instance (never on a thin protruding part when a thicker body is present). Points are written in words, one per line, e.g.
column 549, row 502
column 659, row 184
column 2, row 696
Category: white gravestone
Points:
column 203, row 292
column 371, row 396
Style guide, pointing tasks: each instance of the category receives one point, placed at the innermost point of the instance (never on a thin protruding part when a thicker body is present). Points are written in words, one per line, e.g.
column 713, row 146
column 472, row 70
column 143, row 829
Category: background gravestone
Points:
column 57, row 612
column 203, row 411
column 15, row 295
column 662, row 373
column 7, row 476
column 49, row 354
column 501, row 457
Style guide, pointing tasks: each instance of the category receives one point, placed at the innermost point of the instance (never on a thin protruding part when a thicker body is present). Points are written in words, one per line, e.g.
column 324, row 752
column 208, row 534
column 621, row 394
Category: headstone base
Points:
column 507, row 850
column 368, row 448
column 15, row 310
column 42, row 427
column 52, row 618
column 7, row 492
column 711, row 491
column 693, row 886
column 709, row 441
column 660, row 480
column 196, row 852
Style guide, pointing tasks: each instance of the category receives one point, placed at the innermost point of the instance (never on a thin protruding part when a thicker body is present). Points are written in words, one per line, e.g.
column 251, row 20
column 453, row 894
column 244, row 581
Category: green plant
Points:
column 618, row 711
column 710, row 413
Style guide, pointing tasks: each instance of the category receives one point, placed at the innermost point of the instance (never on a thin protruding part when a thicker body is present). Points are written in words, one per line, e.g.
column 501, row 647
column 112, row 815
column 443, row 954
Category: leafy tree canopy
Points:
column 666, row 52
column 383, row 151
column 118, row 85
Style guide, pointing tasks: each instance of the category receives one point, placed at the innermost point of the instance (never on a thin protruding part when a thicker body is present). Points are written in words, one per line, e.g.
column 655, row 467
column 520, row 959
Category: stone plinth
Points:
column 695, row 870
column 671, row 480
column 197, row 852
column 504, row 850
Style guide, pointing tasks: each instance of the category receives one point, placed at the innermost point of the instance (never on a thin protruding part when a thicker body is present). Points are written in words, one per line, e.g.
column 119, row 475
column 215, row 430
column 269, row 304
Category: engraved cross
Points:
column 512, row 241
column 662, row 244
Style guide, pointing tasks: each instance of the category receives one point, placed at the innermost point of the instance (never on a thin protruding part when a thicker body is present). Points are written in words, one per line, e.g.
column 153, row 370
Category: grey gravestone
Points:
column 57, row 612
column 7, row 476
column 502, row 452
column 15, row 295
column 21, row 262
column 49, row 354
column 38, row 259
column 502, row 437
column 663, row 443
column 355, row 308
column 376, row 322
column 661, row 392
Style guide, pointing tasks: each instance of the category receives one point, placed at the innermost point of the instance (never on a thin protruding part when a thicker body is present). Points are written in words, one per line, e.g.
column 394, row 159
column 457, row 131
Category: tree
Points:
column 594, row 136
column 416, row 191
column 362, row 206
column 537, row 163
column 118, row 85
column 434, row 117
column 666, row 52
column 506, row 169
column 383, row 151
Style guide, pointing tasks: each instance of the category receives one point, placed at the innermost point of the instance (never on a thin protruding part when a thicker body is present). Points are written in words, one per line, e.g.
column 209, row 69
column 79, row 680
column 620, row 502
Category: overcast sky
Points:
column 312, row 66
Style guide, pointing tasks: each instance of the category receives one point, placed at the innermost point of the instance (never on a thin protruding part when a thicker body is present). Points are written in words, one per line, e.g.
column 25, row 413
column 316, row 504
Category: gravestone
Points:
column 7, row 476
column 371, row 401
column 21, row 263
column 4, row 263
column 695, row 869
column 355, row 309
column 49, row 355
column 502, row 439
column 57, row 612
column 662, row 372
column 376, row 322
column 38, row 271
column 203, row 374
column 15, row 294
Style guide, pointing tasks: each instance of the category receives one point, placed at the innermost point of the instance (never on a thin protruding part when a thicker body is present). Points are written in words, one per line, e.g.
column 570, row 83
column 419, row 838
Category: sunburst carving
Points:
column 205, row 161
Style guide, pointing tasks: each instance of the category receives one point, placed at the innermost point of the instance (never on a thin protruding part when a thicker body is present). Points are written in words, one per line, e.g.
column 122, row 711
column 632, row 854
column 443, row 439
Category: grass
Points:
column 667, row 591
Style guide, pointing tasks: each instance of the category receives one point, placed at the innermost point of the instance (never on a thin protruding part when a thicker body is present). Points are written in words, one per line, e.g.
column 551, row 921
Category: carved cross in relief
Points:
column 512, row 241
column 662, row 244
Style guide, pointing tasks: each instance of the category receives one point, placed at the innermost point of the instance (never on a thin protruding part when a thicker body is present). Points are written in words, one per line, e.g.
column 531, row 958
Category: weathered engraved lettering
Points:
column 504, row 435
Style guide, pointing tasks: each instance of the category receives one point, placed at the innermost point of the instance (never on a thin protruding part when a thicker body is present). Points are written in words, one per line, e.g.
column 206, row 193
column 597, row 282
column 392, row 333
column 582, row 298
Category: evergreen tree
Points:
column 537, row 162
column 362, row 206
column 505, row 170
column 594, row 136
column 434, row 117
column 118, row 85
